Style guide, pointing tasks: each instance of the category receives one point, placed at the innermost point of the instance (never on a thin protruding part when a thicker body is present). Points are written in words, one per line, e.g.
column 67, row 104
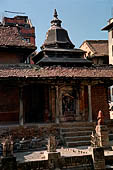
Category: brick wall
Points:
column 99, row 101
column 26, row 29
column 9, row 104
column 13, row 56
column 9, row 57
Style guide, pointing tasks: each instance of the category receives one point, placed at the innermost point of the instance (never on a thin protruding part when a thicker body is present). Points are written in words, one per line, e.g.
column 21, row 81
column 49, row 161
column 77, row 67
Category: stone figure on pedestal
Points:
column 7, row 144
column 51, row 144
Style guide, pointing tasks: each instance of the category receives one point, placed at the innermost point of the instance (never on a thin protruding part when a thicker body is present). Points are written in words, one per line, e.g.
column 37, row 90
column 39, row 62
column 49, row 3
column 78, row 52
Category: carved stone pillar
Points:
column 89, row 103
column 21, row 112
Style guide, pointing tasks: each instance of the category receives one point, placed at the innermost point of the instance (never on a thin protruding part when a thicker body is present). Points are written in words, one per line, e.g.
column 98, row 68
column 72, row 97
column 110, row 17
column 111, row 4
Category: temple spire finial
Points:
column 56, row 21
column 55, row 13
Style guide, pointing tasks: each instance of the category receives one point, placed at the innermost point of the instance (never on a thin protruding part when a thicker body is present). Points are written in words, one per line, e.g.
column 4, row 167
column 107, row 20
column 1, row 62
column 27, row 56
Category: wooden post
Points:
column 83, row 102
column 89, row 103
column 50, row 104
column 53, row 105
column 57, row 106
column 77, row 106
column 46, row 107
column 21, row 114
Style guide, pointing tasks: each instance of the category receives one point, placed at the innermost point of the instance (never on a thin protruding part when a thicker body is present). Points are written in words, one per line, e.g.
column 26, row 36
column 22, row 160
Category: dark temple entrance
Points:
column 34, row 103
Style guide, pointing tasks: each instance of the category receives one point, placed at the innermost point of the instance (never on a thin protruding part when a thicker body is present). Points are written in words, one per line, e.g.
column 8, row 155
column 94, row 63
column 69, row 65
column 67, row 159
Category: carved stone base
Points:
column 98, row 158
column 52, row 155
column 9, row 163
column 67, row 118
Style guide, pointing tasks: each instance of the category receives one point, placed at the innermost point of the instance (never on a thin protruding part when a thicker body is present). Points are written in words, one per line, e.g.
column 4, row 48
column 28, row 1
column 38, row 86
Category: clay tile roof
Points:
column 10, row 37
column 99, row 47
column 34, row 71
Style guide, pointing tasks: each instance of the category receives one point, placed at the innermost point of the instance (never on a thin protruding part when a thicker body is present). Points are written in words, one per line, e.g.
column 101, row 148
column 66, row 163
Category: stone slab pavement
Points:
column 67, row 152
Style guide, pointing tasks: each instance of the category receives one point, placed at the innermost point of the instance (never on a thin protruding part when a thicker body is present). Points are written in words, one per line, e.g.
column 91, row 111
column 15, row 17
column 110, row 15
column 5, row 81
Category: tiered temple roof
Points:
column 58, row 48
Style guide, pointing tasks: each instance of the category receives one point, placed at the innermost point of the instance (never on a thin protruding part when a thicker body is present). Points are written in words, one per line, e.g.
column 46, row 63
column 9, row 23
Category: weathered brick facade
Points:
column 100, row 101
column 25, row 25
column 9, row 104
column 39, row 103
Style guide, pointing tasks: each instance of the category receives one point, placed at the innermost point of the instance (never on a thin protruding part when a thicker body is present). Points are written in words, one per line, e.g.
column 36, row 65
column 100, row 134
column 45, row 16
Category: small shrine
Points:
column 7, row 144
column 51, row 144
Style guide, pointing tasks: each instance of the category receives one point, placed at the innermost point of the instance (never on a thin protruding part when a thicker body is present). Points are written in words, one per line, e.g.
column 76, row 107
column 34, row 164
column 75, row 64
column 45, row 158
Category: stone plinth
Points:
column 9, row 163
column 51, row 144
column 52, row 155
column 7, row 144
column 54, row 159
column 98, row 158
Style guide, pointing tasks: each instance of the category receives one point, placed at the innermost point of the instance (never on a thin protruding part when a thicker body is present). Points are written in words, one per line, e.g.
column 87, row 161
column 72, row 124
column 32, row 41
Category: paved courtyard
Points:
column 67, row 152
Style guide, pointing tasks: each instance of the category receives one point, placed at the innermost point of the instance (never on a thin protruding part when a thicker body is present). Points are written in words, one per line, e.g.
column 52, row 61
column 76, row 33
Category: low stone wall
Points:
column 55, row 162
column 28, row 131
column 79, row 162
column 110, row 125
column 31, row 137
column 109, row 160
column 33, row 165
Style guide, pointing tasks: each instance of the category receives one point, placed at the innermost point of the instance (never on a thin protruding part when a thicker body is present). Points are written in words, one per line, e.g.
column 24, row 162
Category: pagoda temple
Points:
column 61, row 86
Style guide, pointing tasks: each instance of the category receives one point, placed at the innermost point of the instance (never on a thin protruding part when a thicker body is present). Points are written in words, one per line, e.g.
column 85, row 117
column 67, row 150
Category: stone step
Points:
column 80, row 167
column 108, row 167
column 76, row 129
column 77, row 138
column 110, row 136
column 78, row 133
column 78, row 124
column 78, row 143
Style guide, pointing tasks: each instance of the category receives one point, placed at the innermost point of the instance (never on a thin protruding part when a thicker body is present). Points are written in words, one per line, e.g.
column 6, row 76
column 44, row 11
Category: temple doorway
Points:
column 34, row 103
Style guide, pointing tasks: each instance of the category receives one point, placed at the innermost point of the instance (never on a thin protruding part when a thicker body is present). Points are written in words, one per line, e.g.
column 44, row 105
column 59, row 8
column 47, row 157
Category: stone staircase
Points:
column 76, row 134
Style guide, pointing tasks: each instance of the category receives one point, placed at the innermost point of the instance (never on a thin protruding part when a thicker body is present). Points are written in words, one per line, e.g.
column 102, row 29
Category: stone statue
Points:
column 7, row 146
column 51, row 144
column 100, row 118
column 101, row 136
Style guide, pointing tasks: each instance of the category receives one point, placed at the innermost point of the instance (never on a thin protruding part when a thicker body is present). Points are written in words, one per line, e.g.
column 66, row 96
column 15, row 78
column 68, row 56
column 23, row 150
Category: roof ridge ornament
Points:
column 56, row 21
